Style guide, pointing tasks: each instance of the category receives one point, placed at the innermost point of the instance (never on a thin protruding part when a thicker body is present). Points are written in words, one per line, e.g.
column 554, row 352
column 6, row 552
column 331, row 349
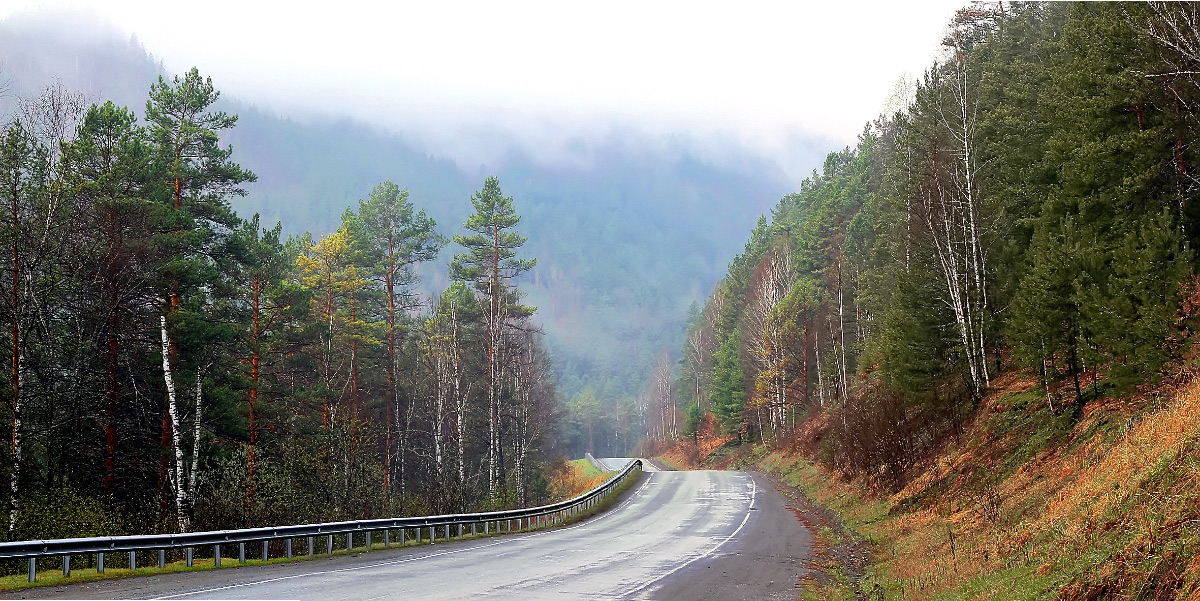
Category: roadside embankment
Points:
column 1094, row 501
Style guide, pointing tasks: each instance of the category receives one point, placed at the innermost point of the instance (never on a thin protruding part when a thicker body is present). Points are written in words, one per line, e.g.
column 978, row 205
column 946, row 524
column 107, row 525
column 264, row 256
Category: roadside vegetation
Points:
column 576, row 477
column 174, row 366
column 970, row 335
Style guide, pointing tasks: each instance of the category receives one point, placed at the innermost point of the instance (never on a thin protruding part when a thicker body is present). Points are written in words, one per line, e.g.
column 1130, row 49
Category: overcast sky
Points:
column 766, row 75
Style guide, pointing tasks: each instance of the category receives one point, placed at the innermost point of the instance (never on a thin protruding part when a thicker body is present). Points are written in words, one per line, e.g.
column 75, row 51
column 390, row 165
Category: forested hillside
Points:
column 995, row 285
column 1031, row 209
column 599, row 220
column 174, row 366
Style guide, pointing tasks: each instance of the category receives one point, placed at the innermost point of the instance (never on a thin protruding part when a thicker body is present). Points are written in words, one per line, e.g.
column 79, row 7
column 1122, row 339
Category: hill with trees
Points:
column 175, row 366
column 970, row 316
column 600, row 222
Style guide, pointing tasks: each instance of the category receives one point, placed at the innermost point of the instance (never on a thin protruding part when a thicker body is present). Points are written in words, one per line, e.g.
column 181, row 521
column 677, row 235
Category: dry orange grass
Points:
column 687, row 453
column 573, row 481
column 1113, row 512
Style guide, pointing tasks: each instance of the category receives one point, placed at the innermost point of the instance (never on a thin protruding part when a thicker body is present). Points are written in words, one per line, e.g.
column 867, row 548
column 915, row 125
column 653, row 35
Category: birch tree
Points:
column 198, row 179
column 490, row 263
column 23, row 196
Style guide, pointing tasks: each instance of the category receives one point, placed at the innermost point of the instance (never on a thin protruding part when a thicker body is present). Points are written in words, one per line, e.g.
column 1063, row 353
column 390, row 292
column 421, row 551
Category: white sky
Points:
column 763, row 73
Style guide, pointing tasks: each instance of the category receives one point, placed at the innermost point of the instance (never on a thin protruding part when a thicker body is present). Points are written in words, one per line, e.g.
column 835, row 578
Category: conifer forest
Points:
column 1031, row 207
column 977, row 321
column 175, row 366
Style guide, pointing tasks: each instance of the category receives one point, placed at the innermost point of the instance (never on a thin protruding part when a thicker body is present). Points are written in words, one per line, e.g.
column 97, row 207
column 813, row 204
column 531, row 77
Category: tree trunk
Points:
column 392, row 400
column 193, row 475
column 252, row 395
column 173, row 420
column 14, row 487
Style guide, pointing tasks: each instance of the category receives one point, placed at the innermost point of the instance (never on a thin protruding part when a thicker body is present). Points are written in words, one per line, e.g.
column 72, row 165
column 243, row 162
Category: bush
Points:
column 64, row 513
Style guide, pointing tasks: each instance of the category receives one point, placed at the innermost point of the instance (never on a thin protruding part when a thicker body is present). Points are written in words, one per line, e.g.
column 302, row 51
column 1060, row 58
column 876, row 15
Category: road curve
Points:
column 670, row 525
column 616, row 464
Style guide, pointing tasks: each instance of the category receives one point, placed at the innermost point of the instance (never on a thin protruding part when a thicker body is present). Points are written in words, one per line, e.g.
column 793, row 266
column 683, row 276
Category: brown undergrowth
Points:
column 575, row 478
column 693, row 452
column 1099, row 501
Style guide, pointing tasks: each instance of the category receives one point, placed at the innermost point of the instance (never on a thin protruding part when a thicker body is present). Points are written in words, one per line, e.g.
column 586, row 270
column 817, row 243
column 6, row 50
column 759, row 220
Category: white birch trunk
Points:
column 842, row 333
column 460, row 401
column 173, row 411
column 193, row 476
column 14, row 481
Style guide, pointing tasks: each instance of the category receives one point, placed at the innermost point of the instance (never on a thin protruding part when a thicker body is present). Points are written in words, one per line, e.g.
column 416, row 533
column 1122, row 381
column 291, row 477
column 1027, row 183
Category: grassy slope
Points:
column 576, row 477
column 1101, row 501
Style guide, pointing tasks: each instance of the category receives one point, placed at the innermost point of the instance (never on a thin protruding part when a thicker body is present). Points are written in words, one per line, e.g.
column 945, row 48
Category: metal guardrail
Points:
column 596, row 463
column 496, row 521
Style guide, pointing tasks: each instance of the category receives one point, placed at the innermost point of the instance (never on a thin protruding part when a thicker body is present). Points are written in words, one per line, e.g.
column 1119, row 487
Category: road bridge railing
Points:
column 314, row 536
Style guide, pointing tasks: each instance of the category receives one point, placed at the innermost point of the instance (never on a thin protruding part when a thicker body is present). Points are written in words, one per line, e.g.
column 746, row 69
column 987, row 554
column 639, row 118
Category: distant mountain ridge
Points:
column 608, row 301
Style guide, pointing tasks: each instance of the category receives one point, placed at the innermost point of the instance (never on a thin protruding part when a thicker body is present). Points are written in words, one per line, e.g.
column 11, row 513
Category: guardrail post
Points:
column 187, row 556
column 432, row 535
column 447, row 531
column 486, row 527
column 99, row 563
column 418, row 529
column 288, row 548
column 402, row 532
column 133, row 560
column 472, row 528
column 33, row 569
column 66, row 566
column 266, row 556
column 217, row 555
column 162, row 558
column 387, row 539
column 241, row 552
column 330, row 545
column 310, row 545
column 370, row 535
column 460, row 531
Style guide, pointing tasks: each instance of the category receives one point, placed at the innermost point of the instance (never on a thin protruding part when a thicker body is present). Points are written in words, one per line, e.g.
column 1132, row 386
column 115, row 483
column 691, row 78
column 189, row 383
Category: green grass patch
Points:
column 586, row 468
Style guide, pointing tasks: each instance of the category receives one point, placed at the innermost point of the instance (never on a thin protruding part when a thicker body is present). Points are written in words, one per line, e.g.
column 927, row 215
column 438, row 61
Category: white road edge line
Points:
column 753, row 492
column 587, row 522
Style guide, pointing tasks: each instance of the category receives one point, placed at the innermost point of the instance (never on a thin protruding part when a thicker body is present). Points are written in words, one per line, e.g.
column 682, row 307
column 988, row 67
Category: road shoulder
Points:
column 768, row 560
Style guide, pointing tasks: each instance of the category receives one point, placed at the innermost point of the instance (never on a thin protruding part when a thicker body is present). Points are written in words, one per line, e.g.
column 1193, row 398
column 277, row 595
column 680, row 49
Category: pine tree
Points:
column 729, row 386
column 490, row 263
column 395, row 240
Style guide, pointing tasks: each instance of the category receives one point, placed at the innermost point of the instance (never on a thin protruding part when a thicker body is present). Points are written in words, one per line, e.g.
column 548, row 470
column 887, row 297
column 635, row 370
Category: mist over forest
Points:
column 602, row 215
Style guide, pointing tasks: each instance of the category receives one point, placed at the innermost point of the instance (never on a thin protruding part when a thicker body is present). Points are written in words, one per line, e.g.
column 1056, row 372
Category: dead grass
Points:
column 696, row 452
column 1029, row 504
column 575, row 478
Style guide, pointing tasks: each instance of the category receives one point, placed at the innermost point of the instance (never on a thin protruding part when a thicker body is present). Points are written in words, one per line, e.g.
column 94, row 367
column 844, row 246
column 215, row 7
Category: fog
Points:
column 473, row 80
column 641, row 147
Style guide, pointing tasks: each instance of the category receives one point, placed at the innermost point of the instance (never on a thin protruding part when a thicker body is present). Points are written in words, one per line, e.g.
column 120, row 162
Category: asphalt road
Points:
column 673, row 535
